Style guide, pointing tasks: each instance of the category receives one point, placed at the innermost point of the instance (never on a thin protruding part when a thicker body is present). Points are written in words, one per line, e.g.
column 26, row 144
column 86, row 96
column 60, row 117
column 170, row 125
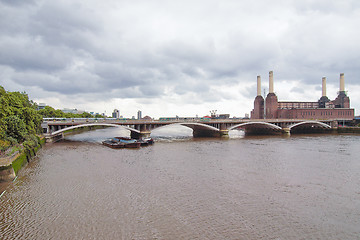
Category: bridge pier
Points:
column 286, row 131
column 139, row 135
column 224, row 131
column 144, row 132
column 54, row 138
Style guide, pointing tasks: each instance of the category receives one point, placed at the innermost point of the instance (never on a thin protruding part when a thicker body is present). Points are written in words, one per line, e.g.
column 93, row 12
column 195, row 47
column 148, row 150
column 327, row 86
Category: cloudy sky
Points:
column 183, row 57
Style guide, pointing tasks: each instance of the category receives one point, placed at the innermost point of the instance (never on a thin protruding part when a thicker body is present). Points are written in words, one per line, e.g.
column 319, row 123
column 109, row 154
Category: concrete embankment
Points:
column 348, row 130
column 10, row 165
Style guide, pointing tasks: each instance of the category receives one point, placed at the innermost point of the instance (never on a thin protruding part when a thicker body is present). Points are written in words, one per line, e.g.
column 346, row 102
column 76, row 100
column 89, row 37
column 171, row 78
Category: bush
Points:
column 12, row 140
column 4, row 145
column 31, row 141
column 15, row 127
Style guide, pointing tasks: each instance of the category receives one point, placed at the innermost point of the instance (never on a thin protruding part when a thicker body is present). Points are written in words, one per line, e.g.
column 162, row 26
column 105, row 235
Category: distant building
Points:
column 139, row 115
column 271, row 108
column 74, row 111
column 41, row 106
column 148, row 118
column 116, row 113
column 223, row 116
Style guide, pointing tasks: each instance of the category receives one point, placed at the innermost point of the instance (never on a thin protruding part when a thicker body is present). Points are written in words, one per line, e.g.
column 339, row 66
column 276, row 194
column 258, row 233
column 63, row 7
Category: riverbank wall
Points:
column 10, row 166
column 348, row 129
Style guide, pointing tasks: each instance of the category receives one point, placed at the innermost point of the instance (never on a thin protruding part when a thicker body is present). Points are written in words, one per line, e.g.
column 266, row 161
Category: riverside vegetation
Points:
column 20, row 123
column 20, row 127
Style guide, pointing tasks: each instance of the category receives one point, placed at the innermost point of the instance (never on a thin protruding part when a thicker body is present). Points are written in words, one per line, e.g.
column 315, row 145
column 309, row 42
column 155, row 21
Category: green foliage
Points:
column 14, row 149
column 49, row 112
column 4, row 145
column 15, row 128
column 31, row 142
column 86, row 115
column 18, row 116
column 99, row 116
column 12, row 140
column 2, row 91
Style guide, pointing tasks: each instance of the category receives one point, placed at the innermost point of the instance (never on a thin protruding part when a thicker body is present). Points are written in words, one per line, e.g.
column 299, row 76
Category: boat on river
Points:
column 146, row 141
column 130, row 143
column 121, row 143
column 143, row 141
column 113, row 143
column 124, row 142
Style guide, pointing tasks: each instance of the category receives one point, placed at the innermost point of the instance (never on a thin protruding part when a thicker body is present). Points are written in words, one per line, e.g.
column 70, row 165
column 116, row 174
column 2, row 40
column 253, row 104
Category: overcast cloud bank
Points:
column 170, row 58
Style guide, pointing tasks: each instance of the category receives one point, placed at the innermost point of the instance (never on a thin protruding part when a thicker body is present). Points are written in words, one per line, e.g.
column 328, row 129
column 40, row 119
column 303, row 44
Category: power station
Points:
column 271, row 108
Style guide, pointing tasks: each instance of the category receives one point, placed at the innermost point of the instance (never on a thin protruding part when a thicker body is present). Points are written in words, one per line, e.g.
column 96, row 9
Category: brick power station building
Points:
column 324, row 108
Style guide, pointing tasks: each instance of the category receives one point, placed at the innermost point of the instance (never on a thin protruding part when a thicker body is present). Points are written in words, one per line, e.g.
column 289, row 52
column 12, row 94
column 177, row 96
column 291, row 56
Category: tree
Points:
column 32, row 120
column 2, row 91
column 18, row 117
column 86, row 115
column 15, row 128
column 49, row 112
column 99, row 116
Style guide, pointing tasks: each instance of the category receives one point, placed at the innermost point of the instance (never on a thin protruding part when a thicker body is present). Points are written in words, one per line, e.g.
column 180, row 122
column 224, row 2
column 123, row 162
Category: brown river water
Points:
column 274, row 187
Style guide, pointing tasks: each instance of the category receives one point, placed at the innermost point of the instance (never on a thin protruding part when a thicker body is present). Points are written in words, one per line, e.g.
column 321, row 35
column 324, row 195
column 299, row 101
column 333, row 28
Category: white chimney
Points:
column 342, row 83
column 324, row 86
column 271, row 82
column 258, row 86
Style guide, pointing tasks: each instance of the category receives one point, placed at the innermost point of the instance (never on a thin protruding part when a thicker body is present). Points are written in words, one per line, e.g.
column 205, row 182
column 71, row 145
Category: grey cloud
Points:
column 190, row 85
column 17, row 3
column 138, row 49
column 67, row 83
column 249, row 92
column 151, row 90
column 24, row 53
column 297, row 90
column 62, row 24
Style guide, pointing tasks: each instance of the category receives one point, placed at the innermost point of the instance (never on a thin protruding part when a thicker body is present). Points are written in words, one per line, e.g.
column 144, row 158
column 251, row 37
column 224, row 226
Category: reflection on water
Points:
column 302, row 187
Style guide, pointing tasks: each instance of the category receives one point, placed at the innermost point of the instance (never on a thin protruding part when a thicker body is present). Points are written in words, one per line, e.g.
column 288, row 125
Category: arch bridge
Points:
column 208, row 128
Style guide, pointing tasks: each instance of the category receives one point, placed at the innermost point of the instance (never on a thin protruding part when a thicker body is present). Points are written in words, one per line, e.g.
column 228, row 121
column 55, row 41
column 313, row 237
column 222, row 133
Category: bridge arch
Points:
column 92, row 124
column 258, row 128
column 199, row 125
column 203, row 130
column 320, row 124
column 199, row 129
column 309, row 125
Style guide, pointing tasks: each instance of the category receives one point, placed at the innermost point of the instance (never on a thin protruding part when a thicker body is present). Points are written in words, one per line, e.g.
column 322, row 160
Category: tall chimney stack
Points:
column 324, row 86
column 271, row 82
column 258, row 86
column 342, row 83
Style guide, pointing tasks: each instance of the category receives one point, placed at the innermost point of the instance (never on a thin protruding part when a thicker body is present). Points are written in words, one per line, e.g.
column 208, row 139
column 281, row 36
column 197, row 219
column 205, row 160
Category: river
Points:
column 273, row 187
